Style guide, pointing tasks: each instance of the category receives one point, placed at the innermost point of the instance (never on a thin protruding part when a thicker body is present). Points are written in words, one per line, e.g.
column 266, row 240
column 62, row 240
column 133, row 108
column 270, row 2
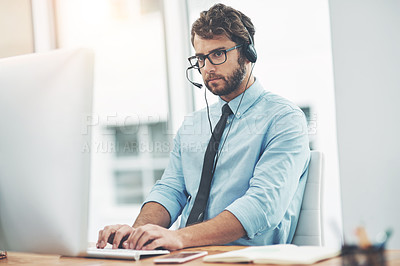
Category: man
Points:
column 260, row 166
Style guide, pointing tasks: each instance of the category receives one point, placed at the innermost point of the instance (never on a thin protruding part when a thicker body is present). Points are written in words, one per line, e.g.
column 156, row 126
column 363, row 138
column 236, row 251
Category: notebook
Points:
column 276, row 254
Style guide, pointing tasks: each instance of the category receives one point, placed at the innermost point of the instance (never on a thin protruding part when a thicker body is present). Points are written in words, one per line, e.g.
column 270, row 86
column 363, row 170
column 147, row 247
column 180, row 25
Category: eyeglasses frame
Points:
column 207, row 57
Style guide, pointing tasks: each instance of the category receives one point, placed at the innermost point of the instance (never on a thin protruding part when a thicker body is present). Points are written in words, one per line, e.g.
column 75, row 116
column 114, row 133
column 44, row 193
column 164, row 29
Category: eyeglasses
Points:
column 3, row 254
column 217, row 57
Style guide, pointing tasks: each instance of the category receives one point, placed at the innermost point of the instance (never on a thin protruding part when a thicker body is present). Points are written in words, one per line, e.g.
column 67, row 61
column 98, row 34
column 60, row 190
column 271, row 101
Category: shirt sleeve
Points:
column 276, row 175
column 170, row 191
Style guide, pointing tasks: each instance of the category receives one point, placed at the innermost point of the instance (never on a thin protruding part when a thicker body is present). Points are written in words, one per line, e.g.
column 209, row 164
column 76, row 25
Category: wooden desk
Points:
column 16, row 258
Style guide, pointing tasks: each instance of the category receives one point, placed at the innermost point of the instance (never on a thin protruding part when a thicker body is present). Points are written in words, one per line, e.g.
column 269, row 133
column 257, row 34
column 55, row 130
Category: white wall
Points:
column 366, row 55
column 16, row 35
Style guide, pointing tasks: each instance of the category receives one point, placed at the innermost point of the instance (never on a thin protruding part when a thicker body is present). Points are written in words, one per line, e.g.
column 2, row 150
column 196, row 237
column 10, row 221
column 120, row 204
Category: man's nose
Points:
column 208, row 66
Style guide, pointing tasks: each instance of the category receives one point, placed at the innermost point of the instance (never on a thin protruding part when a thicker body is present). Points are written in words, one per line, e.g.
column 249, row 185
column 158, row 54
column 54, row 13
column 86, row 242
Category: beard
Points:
column 232, row 82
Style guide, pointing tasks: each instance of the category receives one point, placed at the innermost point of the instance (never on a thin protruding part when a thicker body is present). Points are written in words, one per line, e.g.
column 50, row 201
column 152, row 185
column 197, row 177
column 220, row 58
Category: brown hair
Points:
column 223, row 20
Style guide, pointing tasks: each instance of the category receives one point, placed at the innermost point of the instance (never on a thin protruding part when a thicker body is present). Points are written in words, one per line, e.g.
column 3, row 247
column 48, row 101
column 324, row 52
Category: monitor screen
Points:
column 45, row 105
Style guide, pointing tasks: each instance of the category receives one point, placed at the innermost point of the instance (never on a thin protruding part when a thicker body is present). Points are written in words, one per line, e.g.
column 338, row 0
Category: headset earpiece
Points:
column 249, row 49
column 250, row 52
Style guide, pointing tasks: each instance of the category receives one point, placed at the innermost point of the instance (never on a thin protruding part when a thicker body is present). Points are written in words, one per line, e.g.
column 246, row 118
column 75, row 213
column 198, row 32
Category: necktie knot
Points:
column 226, row 109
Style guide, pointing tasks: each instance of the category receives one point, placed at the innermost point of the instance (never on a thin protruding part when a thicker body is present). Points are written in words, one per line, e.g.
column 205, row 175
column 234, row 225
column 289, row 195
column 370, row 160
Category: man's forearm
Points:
column 153, row 213
column 222, row 229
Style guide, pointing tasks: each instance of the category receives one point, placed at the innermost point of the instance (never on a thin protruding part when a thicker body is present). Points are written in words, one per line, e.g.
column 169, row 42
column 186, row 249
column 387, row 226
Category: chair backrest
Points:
column 309, row 229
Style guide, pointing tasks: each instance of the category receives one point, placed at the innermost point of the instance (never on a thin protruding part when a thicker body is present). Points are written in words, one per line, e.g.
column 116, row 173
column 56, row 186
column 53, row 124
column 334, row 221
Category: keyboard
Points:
column 129, row 254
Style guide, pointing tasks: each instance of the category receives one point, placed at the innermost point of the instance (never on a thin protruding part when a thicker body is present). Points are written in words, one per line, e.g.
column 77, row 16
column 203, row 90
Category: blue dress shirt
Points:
column 261, row 171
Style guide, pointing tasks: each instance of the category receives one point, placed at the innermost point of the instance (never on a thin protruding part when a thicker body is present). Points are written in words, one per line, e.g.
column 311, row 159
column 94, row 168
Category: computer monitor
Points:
column 45, row 105
column 366, row 57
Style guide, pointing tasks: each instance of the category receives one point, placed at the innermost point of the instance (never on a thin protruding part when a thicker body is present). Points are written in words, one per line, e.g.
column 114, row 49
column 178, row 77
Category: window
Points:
column 130, row 148
column 141, row 155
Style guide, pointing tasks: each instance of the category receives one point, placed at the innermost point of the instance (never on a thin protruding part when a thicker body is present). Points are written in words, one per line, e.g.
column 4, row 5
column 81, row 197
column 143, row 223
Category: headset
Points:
column 249, row 49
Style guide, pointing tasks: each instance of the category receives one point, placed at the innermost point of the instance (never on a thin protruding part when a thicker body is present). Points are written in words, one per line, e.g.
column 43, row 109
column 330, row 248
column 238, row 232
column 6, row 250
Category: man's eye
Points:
column 200, row 58
column 218, row 54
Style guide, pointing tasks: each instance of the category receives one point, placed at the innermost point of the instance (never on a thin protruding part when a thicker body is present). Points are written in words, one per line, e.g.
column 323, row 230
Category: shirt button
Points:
column 238, row 113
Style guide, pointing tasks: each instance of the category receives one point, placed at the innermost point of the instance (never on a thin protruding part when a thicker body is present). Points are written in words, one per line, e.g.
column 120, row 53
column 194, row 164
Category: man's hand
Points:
column 114, row 234
column 152, row 236
column 151, row 213
column 222, row 229
column 147, row 237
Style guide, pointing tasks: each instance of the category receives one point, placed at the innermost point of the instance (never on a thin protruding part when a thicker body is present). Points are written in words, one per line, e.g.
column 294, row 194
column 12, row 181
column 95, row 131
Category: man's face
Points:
column 224, row 79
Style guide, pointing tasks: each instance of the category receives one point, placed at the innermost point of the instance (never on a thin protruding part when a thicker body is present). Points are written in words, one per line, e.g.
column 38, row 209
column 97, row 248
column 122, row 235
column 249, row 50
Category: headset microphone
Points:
column 198, row 85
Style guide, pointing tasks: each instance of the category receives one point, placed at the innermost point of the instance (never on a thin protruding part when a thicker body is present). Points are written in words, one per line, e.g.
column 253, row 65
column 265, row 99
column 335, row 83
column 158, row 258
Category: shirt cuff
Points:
column 244, row 212
column 168, row 202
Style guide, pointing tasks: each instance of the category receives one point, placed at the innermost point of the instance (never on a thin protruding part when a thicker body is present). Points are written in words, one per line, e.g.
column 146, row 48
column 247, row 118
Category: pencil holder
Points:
column 371, row 256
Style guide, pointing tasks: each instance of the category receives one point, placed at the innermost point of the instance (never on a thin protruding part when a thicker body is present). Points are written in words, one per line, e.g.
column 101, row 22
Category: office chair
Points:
column 309, row 229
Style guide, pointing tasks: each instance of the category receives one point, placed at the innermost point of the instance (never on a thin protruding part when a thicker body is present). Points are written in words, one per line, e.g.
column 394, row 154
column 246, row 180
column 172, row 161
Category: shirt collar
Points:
column 250, row 96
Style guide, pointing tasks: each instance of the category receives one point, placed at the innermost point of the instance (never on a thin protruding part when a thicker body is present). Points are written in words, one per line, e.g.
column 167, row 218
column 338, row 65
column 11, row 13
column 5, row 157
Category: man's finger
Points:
column 119, row 236
column 156, row 243
column 121, row 243
column 147, row 238
column 133, row 238
column 103, row 237
column 105, row 234
column 111, row 238
column 99, row 238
